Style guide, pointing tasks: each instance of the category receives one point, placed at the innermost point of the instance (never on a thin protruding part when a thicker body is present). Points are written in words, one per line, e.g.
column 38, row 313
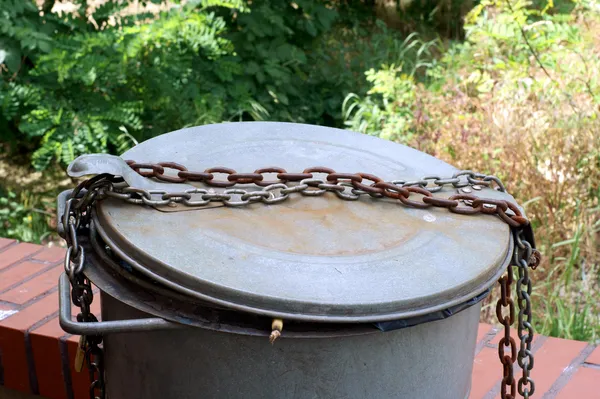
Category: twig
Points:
column 587, row 73
column 36, row 210
column 539, row 61
column 533, row 52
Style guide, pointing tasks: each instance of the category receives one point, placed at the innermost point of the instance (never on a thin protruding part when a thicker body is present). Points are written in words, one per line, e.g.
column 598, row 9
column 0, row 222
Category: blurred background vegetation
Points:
column 505, row 87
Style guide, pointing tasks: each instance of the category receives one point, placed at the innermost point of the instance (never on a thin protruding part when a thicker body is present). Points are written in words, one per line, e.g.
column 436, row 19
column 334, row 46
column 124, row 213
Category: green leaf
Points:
column 310, row 28
column 10, row 55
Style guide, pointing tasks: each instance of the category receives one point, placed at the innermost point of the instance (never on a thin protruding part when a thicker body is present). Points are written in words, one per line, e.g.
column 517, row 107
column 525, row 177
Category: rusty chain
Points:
column 524, row 255
column 75, row 219
column 157, row 170
column 347, row 186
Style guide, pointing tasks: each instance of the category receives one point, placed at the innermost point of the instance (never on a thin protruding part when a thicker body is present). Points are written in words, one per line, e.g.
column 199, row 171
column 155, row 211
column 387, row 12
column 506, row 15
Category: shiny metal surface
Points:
column 158, row 302
column 95, row 164
column 309, row 258
column 432, row 360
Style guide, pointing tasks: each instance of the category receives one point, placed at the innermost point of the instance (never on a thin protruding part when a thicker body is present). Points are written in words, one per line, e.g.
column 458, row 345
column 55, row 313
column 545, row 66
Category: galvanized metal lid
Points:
column 309, row 258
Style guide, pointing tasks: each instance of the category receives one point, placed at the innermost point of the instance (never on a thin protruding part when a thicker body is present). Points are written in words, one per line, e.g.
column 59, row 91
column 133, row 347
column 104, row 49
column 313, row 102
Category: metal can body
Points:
column 430, row 360
column 333, row 270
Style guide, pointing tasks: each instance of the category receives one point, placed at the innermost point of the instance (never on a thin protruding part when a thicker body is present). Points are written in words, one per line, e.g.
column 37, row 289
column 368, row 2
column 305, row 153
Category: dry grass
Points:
column 552, row 170
column 545, row 146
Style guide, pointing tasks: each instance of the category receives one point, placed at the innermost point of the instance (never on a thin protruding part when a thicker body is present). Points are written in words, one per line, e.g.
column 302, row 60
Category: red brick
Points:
column 48, row 362
column 17, row 252
column 482, row 330
column 14, row 359
column 594, row 357
column 4, row 242
column 583, row 385
column 12, row 341
column 7, row 309
column 551, row 360
column 79, row 381
column 32, row 314
column 19, row 273
column 486, row 372
column 51, row 255
column 34, row 287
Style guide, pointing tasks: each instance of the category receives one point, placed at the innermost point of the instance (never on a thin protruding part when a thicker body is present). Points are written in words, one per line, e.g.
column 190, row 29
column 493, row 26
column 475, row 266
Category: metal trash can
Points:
column 378, row 300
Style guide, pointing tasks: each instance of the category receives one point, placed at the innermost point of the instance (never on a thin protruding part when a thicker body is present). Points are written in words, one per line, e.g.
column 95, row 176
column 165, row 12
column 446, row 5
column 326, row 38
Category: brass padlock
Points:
column 80, row 354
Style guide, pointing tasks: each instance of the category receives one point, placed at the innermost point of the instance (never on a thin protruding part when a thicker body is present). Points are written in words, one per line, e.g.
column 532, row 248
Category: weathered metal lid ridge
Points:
column 310, row 258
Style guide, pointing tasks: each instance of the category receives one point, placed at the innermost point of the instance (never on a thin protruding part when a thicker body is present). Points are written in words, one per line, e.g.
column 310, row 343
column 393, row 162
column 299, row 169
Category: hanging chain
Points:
column 75, row 219
column 347, row 186
column 524, row 257
column 95, row 361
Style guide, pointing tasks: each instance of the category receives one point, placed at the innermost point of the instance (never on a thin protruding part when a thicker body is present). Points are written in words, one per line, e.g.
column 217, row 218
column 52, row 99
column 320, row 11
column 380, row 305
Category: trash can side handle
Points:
column 103, row 327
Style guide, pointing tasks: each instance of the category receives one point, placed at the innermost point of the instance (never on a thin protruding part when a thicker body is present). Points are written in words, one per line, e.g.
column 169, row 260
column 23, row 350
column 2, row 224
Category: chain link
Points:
column 95, row 361
column 347, row 186
column 75, row 219
column 522, row 255
column 506, row 302
column 182, row 175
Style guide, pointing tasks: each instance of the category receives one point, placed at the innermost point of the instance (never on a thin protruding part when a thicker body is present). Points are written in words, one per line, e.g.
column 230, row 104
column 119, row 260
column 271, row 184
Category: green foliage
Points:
column 511, row 49
column 19, row 220
column 22, row 33
column 102, row 83
column 563, row 316
column 387, row 109
column 272, row 43
column 445, row 16
column 139, row 79
column 99, row 90
column 503, row 47
column 390, row 115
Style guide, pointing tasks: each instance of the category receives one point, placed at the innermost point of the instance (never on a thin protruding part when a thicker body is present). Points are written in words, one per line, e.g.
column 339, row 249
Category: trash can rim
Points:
column 400, row 266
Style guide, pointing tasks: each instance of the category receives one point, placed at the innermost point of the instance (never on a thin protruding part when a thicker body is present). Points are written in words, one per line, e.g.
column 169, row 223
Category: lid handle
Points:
column 95, row 164
column 104, row 327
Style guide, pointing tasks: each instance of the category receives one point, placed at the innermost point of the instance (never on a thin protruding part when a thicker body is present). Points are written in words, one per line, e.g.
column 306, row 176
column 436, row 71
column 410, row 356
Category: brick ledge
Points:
column 36, row 356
